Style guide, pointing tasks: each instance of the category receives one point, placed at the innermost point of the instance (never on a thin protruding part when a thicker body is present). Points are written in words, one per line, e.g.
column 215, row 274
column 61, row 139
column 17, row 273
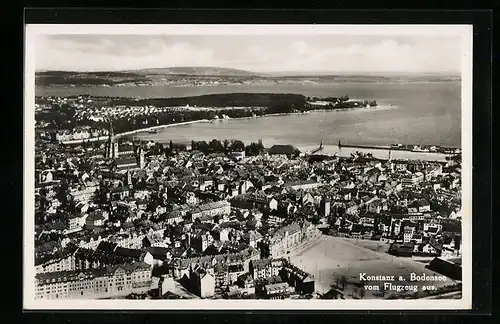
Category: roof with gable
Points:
column 276, row 287
column 58, row 255
column 291, row 229
column 299, row 273
column 261, row 263
column 210, row 206
column 254, row 235
column 76, row 275
column 47, row 247
column 206, row 261
column 420, row 203
column 130, row 253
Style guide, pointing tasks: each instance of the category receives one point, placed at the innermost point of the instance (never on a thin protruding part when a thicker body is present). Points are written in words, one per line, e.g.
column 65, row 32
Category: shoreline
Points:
column 143, row 130
column 378, row 153
column 393, row 149
column 304, row 148
column 56, row 87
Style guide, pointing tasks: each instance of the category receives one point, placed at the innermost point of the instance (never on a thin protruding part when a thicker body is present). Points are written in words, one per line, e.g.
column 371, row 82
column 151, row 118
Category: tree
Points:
column 63, row 193
column 216, row 146
column 254, row 149
column 237, row 145
column 202, row 146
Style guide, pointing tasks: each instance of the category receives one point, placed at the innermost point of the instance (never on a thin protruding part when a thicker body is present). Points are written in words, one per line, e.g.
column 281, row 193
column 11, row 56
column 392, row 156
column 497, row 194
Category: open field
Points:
column 333, row 258
column 377, row 246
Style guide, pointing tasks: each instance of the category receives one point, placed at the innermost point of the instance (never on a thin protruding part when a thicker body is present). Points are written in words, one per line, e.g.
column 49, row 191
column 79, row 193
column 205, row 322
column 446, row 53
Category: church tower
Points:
column 129, row 179
column 141, row 157
column 112, row 145
column 115, row 149
column 391, row 164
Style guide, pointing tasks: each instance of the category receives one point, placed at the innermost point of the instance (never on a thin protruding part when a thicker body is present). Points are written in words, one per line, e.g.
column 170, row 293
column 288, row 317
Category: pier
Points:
column 370, row 147
column 316, row 150
column 378, row 152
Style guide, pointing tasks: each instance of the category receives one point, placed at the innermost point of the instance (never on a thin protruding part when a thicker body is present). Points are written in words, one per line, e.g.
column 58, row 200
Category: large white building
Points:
column 288, row 237
column 112, row 281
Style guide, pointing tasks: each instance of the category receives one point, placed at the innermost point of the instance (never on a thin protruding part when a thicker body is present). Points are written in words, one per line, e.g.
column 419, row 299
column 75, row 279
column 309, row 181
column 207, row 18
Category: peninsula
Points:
column 69, row 114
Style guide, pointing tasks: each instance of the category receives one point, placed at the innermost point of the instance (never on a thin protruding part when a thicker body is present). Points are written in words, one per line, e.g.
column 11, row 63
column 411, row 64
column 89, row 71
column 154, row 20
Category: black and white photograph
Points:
column 248, row 167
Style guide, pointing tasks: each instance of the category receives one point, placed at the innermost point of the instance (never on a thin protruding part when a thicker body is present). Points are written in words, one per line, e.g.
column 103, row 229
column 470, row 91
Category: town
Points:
column 85, row 118
column 121, row 218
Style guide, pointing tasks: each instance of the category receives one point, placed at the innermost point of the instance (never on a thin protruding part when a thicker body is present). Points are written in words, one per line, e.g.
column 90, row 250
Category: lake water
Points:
column 409, row 113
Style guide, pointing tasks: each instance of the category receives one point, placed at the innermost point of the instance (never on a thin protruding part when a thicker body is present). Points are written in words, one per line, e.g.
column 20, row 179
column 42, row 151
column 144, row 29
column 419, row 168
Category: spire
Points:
column 112, row 147
column 129, row 179
column 110, row 127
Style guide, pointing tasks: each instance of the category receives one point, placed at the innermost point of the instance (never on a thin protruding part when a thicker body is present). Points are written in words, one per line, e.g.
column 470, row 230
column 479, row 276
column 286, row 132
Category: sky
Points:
column 256, row 53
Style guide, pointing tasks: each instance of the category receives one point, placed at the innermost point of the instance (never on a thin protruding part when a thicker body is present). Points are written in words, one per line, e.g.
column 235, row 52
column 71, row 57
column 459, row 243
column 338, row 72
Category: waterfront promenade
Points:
column 379, row 153
column 145, row 130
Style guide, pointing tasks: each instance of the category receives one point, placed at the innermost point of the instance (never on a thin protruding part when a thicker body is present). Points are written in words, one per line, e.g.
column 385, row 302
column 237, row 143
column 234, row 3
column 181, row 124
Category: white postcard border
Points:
column 34, row 31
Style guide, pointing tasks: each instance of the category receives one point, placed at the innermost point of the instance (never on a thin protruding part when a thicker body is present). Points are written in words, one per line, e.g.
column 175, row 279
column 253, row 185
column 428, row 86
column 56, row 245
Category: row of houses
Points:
column 73, row 258
column 108, row 282
column 408, row 249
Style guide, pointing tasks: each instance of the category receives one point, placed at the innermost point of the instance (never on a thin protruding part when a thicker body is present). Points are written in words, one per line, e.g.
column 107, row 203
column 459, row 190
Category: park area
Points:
column 337, row 261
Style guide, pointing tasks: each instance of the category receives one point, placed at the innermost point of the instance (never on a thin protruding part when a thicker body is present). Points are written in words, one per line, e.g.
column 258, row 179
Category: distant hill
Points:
column 187, row 75
column 112, row 78
column 195, row 71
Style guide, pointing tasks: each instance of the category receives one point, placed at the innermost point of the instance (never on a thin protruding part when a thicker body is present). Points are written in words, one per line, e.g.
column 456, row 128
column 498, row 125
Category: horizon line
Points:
column 263, row 73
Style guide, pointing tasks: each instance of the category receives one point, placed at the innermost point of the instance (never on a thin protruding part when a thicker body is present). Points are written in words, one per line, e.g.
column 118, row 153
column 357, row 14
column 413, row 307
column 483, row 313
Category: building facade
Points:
column 112, row 281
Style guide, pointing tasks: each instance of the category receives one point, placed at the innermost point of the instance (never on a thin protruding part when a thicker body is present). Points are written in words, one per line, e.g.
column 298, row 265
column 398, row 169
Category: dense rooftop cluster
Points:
column 217, row 219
